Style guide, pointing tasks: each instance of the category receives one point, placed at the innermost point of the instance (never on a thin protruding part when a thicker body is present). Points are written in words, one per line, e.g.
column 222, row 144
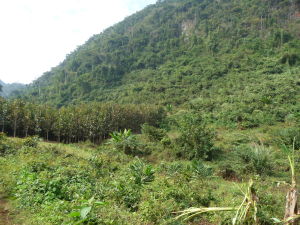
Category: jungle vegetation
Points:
column 187, row 106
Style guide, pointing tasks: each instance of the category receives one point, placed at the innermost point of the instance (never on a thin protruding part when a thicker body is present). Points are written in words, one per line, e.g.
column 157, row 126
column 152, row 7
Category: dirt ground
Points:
column 4, row 213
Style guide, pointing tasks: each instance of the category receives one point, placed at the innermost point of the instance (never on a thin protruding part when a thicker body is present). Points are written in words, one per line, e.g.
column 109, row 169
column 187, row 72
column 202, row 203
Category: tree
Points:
column 48, row 120
column 15, row 114
column 3, row 113
column 27, row 120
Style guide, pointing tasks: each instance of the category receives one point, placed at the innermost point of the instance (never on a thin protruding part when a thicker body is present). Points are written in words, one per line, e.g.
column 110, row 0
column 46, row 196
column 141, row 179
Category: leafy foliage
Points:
column 83, row 215
column 153, row 133
column 236, row 61
column 142, row 173
column 84, row 184
column 94, row 121
column 31, row 142
column 199, row 79
column 201, row 170
column 125, row 141
column 10, row 89
column 257, row 158
column 195, row 139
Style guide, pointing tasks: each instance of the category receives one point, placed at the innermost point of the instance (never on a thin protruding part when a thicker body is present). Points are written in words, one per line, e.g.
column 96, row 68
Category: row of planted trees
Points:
column 93, row 121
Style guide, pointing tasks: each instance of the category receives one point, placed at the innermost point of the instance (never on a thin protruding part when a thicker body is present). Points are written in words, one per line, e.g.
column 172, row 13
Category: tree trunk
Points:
column 3, row 126
column 291, row 207
column 15, row 128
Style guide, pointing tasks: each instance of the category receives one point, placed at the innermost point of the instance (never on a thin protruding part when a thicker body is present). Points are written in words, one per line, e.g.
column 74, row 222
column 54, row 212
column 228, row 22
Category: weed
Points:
column 83, row 214
column 141, row 172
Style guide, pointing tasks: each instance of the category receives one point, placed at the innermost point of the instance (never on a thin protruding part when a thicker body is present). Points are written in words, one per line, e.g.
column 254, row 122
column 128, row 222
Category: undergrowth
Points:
column 52, row 183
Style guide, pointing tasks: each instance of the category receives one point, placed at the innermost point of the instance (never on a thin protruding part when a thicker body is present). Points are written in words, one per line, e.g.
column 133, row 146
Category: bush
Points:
column 153, row 133
column 196, row 140
column 31, row 142
column 128, row 194
column 289, row 136
column 2, row 136
column 3, row 146
column 201, row 170
column 166, row 141
column 142, row 173
column 125, row 141
column 38, row 183
column 257, row 159
column 5, row 149
column 6, row 145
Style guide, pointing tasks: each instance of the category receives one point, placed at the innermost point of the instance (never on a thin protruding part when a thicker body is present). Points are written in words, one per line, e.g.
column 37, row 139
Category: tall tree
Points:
column 15, row 115
column 3, row 113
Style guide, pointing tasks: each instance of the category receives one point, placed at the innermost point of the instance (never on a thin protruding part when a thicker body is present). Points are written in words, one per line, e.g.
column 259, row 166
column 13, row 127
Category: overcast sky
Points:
column 36, row 35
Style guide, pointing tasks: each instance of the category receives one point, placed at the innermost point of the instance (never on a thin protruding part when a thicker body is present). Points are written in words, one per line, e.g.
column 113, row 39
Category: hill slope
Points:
column 10, row 89
column 176, row 51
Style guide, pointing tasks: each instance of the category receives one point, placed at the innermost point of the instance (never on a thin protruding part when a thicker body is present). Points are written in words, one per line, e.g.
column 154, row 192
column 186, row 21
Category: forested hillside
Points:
column 7, row 90
column 187, row 103
column 179, row 50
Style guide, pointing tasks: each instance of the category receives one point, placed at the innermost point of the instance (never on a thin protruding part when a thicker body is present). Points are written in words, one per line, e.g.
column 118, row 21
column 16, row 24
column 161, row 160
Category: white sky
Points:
column 36, row 35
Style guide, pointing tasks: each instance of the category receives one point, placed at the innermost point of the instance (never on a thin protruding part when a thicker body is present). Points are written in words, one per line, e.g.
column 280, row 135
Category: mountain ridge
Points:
column 175, row 48
column 11, row 89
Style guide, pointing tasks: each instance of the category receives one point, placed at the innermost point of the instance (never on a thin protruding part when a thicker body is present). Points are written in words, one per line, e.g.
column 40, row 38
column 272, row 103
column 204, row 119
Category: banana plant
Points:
column 121, row 136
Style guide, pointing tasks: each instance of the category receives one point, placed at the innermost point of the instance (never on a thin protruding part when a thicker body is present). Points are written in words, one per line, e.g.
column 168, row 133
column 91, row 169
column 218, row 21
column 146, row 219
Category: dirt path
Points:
column 4, row 213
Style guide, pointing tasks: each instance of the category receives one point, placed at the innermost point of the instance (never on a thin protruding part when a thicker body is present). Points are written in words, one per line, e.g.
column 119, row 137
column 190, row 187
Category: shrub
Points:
column 142, row 172
column 128, row 194
column 153, row 133
column 257, row 159
column 2, row 136
column 6, row 146
column 173, row 168
column 166, row 141
column 84, row 213
column 31, row 142
column 38, row 184
column 5, row 149
column 125, row 141
column 195, row 141
column 289, row 136
column 201, row 170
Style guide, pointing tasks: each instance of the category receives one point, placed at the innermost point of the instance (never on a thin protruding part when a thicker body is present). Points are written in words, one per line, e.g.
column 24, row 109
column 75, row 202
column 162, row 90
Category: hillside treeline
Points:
column 93, row 121
column 174, row 51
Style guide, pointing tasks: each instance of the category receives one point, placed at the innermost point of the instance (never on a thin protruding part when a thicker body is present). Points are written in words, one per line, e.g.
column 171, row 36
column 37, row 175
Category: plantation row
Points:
column 93, row 121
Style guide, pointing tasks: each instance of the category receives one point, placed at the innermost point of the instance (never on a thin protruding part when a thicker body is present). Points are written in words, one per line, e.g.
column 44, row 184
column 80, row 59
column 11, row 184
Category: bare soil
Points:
column 4, row 213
